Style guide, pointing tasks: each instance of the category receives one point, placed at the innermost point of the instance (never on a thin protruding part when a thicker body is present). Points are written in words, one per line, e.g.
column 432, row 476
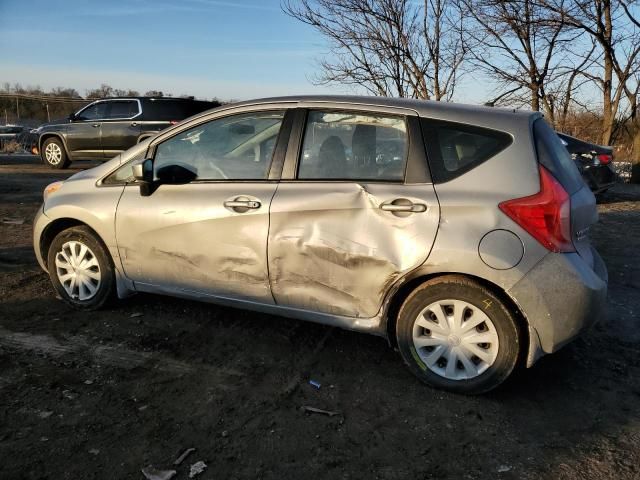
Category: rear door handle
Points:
column 134, row 124
column 242, row 204
column 412, row 207
column 95, row 125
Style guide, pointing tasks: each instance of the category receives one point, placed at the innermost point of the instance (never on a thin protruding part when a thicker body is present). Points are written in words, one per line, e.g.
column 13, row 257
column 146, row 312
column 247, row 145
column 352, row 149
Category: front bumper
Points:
column 560, row 297
column 40, row 223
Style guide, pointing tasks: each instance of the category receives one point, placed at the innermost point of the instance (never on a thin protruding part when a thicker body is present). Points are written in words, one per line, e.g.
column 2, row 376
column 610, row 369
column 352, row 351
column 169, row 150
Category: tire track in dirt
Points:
column 118, row 356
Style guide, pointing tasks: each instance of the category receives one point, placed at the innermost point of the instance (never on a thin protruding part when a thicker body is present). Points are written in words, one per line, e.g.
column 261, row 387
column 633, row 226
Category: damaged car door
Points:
column 207, row 233
column 357, row 212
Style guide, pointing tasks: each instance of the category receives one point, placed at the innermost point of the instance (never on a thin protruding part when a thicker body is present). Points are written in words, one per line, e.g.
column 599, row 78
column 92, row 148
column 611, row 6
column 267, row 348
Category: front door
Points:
column 84, row 134
column 208, row 236
column 349, row 224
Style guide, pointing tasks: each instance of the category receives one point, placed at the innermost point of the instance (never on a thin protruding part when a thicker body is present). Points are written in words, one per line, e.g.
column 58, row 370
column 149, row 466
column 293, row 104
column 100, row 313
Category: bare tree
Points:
column 614, row 26
column 103, row 91
column 388, row 47
column 518, row 48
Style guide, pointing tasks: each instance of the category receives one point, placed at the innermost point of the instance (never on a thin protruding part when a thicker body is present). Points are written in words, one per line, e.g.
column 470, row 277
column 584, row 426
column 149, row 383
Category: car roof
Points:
column 455, row 112
column 173, row 99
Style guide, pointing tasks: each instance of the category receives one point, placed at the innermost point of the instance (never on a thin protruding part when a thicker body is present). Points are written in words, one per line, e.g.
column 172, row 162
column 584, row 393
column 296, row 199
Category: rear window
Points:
column 168, row 110
column 455, row 149
column 555, row 157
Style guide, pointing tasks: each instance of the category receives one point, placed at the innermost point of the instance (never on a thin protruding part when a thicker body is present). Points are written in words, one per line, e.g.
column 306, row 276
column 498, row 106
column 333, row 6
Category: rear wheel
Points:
column 54, row 154
column 81, row 269
column 456, row 335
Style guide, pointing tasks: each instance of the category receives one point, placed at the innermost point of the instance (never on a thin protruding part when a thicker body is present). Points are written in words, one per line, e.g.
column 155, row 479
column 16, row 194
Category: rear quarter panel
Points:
column 469, row 206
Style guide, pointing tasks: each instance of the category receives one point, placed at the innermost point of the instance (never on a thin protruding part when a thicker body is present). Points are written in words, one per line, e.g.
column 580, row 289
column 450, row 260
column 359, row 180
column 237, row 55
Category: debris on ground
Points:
column 69, row 394
column 197, row 468
column 46, row 414
column 184, row 455
column 152, row 473
column 306, row 408
column 94, row 451
column 504, row 468
column 313, row 383
column 13, row 221
column 136, row 315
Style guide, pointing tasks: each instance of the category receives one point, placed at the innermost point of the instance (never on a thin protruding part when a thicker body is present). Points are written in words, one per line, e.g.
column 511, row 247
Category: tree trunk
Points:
column 535, row 97
column 635, row 154
column 608, row 117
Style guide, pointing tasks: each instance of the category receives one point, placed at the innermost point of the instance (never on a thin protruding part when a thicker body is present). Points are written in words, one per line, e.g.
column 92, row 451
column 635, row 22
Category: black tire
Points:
column 55, row 162
column 105, row 287
column 460, row 288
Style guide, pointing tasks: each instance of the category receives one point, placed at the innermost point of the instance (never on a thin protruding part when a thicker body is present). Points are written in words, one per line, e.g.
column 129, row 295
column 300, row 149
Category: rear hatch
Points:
column 556, row 159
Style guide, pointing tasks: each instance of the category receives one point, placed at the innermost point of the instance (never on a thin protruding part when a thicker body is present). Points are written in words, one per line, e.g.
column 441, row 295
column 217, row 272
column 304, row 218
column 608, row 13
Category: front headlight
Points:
column 51, row 189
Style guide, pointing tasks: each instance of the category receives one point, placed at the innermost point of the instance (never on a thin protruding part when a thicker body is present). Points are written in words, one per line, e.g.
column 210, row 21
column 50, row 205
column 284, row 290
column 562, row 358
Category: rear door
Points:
column 121, row 128
column 355, row 210
column 554, row 157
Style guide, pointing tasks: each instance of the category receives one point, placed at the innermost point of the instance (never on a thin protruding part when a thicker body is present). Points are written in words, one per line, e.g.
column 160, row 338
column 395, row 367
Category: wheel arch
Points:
column 45, row 136
column 59, row 225
column 398, row 297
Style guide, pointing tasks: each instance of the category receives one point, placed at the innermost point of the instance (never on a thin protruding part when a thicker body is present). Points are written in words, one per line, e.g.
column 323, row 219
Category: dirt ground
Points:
column 102, row 395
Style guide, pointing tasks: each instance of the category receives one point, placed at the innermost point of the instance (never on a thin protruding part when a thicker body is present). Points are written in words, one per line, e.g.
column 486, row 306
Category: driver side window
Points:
column 97, row 111
column 237, row 147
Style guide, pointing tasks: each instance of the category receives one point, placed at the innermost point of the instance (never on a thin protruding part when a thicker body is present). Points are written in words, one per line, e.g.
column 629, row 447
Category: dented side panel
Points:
column 333, row 250
column 183, row 238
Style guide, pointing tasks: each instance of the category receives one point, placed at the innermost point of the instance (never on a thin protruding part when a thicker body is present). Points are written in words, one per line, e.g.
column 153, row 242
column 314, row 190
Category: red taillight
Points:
column 605, row 158
column 545, row 215
column 174, row 122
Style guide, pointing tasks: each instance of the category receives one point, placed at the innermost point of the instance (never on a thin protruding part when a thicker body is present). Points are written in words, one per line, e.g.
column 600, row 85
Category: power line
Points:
column 46, row 98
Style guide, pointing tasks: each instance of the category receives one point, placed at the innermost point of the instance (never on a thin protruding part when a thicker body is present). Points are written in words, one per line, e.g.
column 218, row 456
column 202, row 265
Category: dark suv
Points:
column 109, row 126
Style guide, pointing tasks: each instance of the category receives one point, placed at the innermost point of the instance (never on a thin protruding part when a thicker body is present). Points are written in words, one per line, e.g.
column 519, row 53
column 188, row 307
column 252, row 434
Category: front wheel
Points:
column 81, row 269
column 54, row 154
column 456, row 335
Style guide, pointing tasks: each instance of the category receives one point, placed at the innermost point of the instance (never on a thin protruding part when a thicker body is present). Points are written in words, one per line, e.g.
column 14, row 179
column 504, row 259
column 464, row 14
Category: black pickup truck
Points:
column 109, row 126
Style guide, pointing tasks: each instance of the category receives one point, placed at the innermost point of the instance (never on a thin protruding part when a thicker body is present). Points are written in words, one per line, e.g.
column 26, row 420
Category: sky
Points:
column 229, row 49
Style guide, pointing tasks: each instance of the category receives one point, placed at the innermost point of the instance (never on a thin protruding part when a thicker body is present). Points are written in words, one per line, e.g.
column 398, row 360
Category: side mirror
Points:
column 175, row 175
column 143, row 173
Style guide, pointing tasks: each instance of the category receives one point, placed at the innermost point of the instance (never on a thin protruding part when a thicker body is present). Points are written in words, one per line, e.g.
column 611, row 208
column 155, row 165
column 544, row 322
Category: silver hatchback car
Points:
column 460, row 233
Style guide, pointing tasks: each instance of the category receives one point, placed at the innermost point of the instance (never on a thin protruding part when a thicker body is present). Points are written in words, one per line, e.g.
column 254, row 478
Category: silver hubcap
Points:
column 53, row 153
column 78, row 270
column 455, row 339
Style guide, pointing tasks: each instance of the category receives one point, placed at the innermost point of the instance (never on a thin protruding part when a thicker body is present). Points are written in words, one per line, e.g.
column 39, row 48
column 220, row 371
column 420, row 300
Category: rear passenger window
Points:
column 123, row 109
column 455, row 149
column 353, row 146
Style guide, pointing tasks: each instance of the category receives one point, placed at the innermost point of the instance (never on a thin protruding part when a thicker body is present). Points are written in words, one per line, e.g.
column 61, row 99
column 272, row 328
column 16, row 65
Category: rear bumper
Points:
column 560, row 297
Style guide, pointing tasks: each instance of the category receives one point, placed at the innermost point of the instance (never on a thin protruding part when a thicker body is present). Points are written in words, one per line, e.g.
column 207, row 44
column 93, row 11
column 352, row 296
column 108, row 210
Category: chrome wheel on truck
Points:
column 54, row 154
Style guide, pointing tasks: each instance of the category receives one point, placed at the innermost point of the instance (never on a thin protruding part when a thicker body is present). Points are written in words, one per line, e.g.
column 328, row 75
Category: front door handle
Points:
column 134, row 124
column 242, row 204
column 402, row 205
column 95, row 125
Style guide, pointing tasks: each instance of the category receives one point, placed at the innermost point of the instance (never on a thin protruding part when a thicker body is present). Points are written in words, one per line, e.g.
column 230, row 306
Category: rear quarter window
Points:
column 555, row 157
column 173, row 110
column 454, row 149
